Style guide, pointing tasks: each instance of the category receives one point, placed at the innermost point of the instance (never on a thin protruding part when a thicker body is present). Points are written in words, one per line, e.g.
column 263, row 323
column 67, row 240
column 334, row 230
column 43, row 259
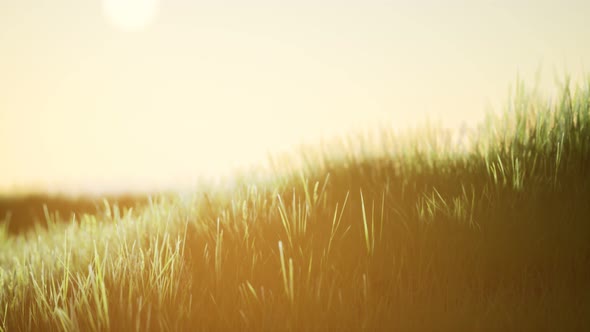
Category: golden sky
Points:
column 154, row 94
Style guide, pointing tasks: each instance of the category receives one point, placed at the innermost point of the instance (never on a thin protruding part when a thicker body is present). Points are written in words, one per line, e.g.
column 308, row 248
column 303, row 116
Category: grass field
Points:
column 373, row 232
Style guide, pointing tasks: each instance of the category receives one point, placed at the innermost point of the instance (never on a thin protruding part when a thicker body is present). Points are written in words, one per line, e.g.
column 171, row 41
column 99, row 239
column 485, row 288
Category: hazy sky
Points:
column 88, row 104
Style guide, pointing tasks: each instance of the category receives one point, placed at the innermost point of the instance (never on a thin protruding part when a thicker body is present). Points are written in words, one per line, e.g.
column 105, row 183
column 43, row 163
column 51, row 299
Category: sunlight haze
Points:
column 97, row 96
column 130, row 14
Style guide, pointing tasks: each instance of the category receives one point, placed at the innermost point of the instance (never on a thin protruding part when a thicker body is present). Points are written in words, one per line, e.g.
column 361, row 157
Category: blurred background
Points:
column 140, row 95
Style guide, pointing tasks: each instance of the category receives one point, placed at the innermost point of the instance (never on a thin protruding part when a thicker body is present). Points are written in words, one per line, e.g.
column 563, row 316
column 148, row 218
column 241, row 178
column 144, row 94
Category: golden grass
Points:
column 384, row 233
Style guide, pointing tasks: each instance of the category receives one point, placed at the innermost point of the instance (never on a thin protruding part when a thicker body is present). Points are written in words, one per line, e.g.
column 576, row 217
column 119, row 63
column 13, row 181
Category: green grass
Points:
column 373, row 232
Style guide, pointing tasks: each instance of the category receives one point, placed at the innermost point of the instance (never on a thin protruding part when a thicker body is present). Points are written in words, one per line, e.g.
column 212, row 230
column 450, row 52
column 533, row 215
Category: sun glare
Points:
column 130, row 14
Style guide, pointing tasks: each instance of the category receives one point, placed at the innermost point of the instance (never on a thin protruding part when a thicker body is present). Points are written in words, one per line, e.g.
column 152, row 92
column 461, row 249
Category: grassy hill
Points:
column 377, row 232
column 26, row 212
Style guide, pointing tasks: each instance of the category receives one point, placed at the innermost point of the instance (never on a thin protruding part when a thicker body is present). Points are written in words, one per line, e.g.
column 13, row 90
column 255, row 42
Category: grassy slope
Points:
column 29, row 211
column 407, row 234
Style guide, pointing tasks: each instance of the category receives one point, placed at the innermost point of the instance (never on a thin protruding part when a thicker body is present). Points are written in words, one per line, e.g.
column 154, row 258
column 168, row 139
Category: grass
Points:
column 373, row 232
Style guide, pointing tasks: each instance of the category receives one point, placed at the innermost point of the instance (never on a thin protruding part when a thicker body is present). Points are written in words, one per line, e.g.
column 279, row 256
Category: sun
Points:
column 130, row 14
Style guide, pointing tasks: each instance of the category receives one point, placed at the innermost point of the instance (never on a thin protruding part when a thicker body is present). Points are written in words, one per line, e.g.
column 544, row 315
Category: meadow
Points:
column 377, row 231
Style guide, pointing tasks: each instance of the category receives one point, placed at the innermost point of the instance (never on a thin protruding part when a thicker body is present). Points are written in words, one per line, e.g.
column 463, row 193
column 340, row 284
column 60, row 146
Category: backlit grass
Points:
column 373, row 232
